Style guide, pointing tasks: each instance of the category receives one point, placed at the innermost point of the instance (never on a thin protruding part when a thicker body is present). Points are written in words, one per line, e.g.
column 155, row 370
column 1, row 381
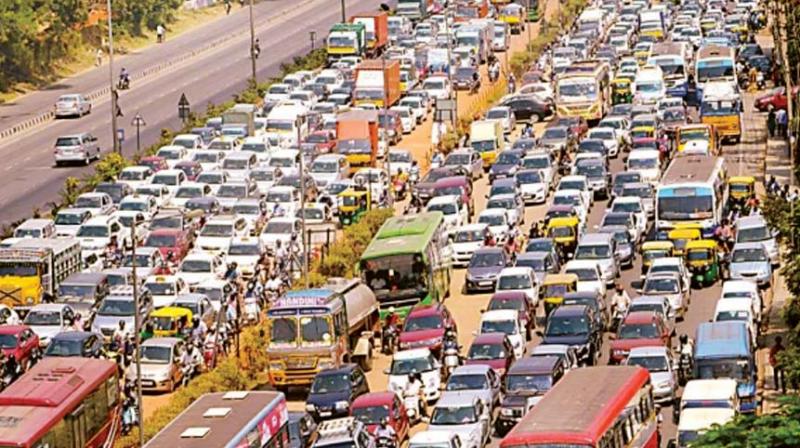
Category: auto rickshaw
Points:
column 652, row 250
column 697, row 131
column 740, row 189
column 681, row 235
column 353, row 204
column 702, row 258
column 514, row 15
column 564, row 232
column 555, row 287
column 168, row 321
column 621, row 91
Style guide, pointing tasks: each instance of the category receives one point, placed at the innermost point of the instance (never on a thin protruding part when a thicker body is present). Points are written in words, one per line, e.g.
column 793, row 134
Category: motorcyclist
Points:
column 190, row 360
column 385, row 431
column 199, row 329
column 620, row 302
column 488, row 240
column 124, row 77
column 278, row 210
column 119, row 334
column 416, row 388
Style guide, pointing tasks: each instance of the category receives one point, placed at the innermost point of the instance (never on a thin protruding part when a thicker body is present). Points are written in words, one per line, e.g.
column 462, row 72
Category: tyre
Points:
column 535, row 118
column 87, row 160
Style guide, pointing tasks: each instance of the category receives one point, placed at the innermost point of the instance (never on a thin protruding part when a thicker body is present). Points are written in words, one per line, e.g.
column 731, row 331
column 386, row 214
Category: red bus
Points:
column 252, row 419
column 597, row 407
column 62, row 403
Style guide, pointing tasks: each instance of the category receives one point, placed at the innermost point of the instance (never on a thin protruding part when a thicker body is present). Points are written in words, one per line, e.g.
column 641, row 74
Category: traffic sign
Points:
column 183, row 107
column 121, row 135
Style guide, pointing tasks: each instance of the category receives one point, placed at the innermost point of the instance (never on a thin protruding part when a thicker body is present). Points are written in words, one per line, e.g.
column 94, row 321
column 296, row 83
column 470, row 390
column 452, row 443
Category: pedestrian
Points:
column 783, row 120
column 160, row 33
column 227, row 7
column 772, row 185
column 777, row 369
column 98, row 57
column 771, row 123
column 785, row 192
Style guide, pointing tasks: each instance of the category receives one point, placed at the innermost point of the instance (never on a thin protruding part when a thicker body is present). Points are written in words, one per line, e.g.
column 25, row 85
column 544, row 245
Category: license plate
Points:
column 485, row 283
column 148, row 383
column 325, row 414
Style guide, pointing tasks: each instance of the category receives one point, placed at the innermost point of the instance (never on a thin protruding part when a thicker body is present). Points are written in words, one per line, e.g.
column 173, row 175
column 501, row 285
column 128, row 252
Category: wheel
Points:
column 535, row 118
column 87, row 160
column 171, row 386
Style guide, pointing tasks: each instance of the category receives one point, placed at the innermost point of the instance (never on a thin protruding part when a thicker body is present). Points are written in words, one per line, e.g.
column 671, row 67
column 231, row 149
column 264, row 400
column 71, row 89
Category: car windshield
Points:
column 8, row 340
column 585, row 274
column 486, row 351
column 152, row 354
column 278, row 227
column 247, row 209
column 195, row 266
column 61, row 347
column 211, row 179
column 592, row 252
column 529, row 177
column 468, row 236
column 43, row 318
column 421, row 323
column 165, row 179
column 748, row 255
column 161, row 289
column 752, row 234
column 616, row 219
column 556, row 133
column 661, row 286
column 111, row 307
column 457, row 159
column 327, row 384
column 448, row 208
column 501, row 203
column 651, row 363
column 536, row 162
column 93, row 231
column 69, row 219
column 537, row 384
column 567, row 325
column 232, row 191
column 734, row 315
column 506, row 326
column 279, row 196
column 217, row 230
column 643, row 164
column 638, row 331
column 508, row 158
column 244, row 249
column 413, row 365
column 324, row 166
column 626, row 207
column 521, row 281
column 457, row 415
column 590, row 170
column 492, row 219
column 487, row 259
column 371, row 415
column 468, row 382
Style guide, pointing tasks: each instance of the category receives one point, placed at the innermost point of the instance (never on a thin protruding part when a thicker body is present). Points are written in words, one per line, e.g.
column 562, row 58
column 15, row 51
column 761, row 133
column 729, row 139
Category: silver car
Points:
column 465, row 415
column 750, row 261
column 77, row 148
column 478, row 380
column 659, row 363
column 161, row 368
column 467, row 160
column 72, row 105
column 751, row 229
column 669, row 285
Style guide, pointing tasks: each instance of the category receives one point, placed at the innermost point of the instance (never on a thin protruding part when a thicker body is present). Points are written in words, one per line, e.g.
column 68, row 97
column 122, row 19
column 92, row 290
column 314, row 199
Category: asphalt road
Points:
column 30, row 180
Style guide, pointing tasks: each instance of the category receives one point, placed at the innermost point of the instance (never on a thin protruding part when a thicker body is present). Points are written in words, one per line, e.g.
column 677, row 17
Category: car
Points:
column 542, row 263
column 504, row 116
column 464, row 79
column 597, row 176
column 417, row 105
column 672, row 264
column 601, row 248
column 215, row 236
column 751, row 261
column 423, row 190
column 302, row 429
column 418, row 360
column 643, row 191
column 200, row 305
column 478, row 380
column 334, row 390
column 161, row 365
column 579, row 183
column 671, row 286
column 590, row 278
column 69, row 220
column 574, row 325
column 639, row 329
column 626, row 248
column 96, row 203
column 465, row 415
column 84, row 344
column 528, row 108
column 519, row 278
column 738, row 310
column 407, row 118
column 72, row 105
column 456, row 213
column 610, row 138
column 499, row 222
column 546, row 245
column 512, row 204
column 754, row 228
column 165, row 289
column 508, row 322
column 567, row 353
column 144, row 204
column 400, row 160
column 519, row 301
column 526, row 383
column 484, row 267
column 439, row 439
column 173, row 244
column 49, row 319
column 491, row 349
column 740, row 289
column 543, row 161
column 425, row 327
column 21, row 342
column 558, row 139
column 623, row 219
column 196, row 267
column 661, row 365
column 465, row 240
column 467, row 160
column 622, row 178
column 634, row 205
column 373, row 407
column 533, row 186
column 774, row 100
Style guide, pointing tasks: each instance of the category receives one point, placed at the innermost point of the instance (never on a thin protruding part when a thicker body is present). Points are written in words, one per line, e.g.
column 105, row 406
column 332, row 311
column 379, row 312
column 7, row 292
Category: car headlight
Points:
column 508, row 412
column 664, row 384
column 342, row 405
column 276, row 365
column 310, row 408
column 325, row 363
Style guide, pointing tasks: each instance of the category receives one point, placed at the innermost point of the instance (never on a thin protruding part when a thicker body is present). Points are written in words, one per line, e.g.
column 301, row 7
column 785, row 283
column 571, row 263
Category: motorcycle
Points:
column 619, row 315
column 130, row 417
column 685, row 362
column 452, row 357
column 412, row 404
column 388, row 339
column 399, row 186
column 386, row 442
column 124, row 83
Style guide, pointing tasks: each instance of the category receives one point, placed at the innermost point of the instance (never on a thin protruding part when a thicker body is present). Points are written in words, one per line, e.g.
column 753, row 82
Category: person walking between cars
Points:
column 98, row 57
column 771, row 122
column 777, row 370
column 782, row 120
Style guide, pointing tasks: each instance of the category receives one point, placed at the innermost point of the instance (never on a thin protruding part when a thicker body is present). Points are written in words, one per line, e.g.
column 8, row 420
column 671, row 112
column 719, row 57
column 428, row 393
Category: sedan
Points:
column 528, row 108
column 466, row 160
column 504, row 116
column 73, row 105
column 750, row 261
column 465, row 79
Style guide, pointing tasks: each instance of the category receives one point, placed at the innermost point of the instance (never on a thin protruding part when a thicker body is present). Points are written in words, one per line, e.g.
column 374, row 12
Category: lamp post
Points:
column 299, row 122
column 137, row 328
column 252, row 44
column 344, row 14
column 389, row 191
column 453, row 93
column 528, row 11
column 112, row 86
column 313, row 36
column 138, row 121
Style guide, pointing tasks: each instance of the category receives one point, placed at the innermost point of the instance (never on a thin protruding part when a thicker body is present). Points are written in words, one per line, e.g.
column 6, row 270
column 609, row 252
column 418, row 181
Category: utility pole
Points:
column 137, row 330
column 344, row 14
column 114, row 95
column 783, row 35
column 453, row 93
column 303, row 235
column 313, row 36
column 138, row 121
column 252, row 45
column 529, row 24
column 389, row 191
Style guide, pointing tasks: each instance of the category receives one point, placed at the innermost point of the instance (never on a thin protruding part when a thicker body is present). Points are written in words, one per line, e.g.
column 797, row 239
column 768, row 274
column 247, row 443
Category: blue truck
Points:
column 724, row 350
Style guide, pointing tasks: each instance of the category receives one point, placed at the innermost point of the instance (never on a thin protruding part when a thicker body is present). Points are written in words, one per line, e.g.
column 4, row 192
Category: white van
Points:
column 738, row 310
column 646, row 162
column 718, row 394
column 36, row 228
column 694, row 422
column 649, row 87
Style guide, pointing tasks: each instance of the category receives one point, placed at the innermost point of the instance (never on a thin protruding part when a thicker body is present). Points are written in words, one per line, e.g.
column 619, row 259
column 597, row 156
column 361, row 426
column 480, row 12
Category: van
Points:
column 647, row 162
column 36, row 228
column 711, row 393
column 82, row 147
column 602, row 248
column 82, row 291
column 649, row 86
column 725, row 350
column 754, row 229
column 487, row 139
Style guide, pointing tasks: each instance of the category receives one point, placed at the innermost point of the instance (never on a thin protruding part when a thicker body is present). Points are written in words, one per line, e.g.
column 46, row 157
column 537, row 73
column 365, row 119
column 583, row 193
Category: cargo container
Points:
column 357, row 135
column 377, row 31
column 377, row 82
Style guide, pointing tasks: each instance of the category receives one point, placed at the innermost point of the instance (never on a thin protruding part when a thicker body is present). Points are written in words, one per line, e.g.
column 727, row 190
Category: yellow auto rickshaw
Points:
column 555, row 287
column 740, row 189
column 643, row 132
column 681, row 235
column 353, row 203
column 170, row 321
column 621, row 91
column 699, row 131
column 564, row 231
column 652, row 250
column 702, row 258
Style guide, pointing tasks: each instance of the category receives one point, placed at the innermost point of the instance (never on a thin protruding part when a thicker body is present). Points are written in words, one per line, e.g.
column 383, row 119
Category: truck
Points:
column 32, row 269
column 241, row 114
column 346, row 39
column 415, row 10
column 377, row 82
column 357, row 135
column 377, row 30
column 487, row 139
column 312, row 330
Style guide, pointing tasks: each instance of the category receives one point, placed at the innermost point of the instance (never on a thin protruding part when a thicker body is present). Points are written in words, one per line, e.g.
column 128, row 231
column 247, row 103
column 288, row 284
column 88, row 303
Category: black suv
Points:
column 577, row 326
column 525, row 383
column 333, row 390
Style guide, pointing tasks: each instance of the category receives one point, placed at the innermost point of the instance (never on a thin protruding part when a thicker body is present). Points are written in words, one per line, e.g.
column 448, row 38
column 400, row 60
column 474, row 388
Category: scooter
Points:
column 388, row 339
column 252, row 313
column 412, row 404
column 452, row 357
column 399, row 189
column 124, row 83
column 618, row 317
column 685, row 362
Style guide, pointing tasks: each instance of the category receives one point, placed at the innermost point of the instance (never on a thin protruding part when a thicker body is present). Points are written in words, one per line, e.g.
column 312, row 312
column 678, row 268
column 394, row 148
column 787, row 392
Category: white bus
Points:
column 692, row 191
column 714, row 63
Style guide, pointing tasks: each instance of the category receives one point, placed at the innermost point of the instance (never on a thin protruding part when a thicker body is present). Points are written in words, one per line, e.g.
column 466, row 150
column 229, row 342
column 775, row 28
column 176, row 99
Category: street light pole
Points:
column 137, row 324
column 344, row 14
column 529, row 25
column 138, row 121
column 299, row 122
column 390, row 190
column 313, row 36
column 115, row 138
column 252, row 44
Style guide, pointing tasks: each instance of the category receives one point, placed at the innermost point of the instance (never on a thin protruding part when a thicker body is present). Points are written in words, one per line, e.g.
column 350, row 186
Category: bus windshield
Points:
column 686, row 207
column 396, row 274
column 738, row 369
column 585, row 90
column 718, row 70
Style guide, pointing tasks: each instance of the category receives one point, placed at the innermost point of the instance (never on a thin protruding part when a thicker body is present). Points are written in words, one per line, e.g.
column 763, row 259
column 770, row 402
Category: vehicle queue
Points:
column 218, row 217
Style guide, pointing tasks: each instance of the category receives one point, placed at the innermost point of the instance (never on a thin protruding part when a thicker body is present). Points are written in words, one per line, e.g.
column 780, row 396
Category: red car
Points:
column 373, row 407
column 190, row 168
column 776, row 99
column 324, row 141
column 639, row 329
column 170, row 241
column 425, row 326
column 20, row 342
column 515, row 300
column 493, row 350
column 155, row 163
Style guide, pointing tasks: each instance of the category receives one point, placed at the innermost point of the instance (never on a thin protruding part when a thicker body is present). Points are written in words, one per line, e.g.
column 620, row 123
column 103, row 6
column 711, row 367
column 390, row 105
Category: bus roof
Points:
column 714, row 51
column 404, row 235
column 224, row 419
column 722, row 340
column 695, row 168
column 579, row 408
column 44, row 395
column 669, row 49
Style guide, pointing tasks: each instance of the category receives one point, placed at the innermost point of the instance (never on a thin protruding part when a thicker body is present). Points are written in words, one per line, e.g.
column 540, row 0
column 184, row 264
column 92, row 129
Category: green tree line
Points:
column 37, row 35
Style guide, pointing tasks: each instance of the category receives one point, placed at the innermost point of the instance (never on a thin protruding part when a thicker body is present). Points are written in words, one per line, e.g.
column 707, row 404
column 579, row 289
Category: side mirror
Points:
column 386, row 371
column 540, row 333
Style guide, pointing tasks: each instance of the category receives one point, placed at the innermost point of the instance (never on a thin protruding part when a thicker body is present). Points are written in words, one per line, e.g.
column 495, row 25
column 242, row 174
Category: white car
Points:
column 464, row 414
column 198, row 267
column 172, row 154
column 284, row 229
column 647, row 162
column 418, row 360
column 580, row 183
column 417, row 106
column 511, row 203
column 286, row 198
column 575, row 198
column 438, row 87
column 172, row 179
column 144, row 204
column 96, row 203
column 208, row 159
column 245, row 252
column 49, row 319
column 590, row 278
column 407, row 120
column 376, row 179
column 659, row 363
column 609, row 137
column 135, row 176
column 504, row 115
column 399, row 159
column 544, row 162
column 216, row 234
column 507, row 322
column 189, row 191
column 455, row 213
column 739, row 289
column 632, row 204
column 519, row 278
column 533, row 186
column 96, row 233
column 541, row 90
column 738, row 310
column 465, row 240
column 162, row 193
column 278, row 92
column 165, row 289
column 673, row 264
column 498, row 222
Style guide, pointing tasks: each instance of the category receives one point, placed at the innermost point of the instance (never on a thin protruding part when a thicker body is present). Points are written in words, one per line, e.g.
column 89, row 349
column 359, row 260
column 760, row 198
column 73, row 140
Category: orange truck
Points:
column 357, row 135
column 377, row 81
column 377, row 27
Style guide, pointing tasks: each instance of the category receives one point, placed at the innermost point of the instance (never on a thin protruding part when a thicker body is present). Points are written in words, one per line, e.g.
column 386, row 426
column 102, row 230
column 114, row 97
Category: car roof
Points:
column 49, row 307
column 750, row 221
column 739, row 285
column 570, row 310
column 591, row 238
column 344, row 368
column 470, row 227
column 655, row 350
column 471, row 369
column 456, row 399
column 535, row 365
column 426, row 310
column 412, row 353
column 516, row 270
column 494, row 315
column 578, row 264
column 432, row 437
column 641, row 317
column 12, row 329
column 162, row 342
column 751, row 245
column 73, row 335
column 546, row 349
column 742, row 304
column 374, row 399
column 489, row 338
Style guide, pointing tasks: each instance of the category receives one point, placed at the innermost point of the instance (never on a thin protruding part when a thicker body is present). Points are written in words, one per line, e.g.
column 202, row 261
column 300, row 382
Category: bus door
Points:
column 77, row 421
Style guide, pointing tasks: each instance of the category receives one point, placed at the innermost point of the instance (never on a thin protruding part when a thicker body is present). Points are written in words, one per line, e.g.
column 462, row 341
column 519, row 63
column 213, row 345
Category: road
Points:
column 212, row 76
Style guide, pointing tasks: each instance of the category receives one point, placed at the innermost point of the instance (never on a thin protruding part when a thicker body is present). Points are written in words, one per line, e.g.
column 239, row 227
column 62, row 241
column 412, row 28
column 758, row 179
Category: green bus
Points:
column 408, row 262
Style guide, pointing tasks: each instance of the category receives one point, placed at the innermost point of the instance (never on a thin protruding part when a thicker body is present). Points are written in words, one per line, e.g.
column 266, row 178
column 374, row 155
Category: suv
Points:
column 333, row 390
column 76, row 148
column 424, row 327
column 119, row 306
column 639, row 329
column 346, row 431
column 574, row 325
column 525, row 384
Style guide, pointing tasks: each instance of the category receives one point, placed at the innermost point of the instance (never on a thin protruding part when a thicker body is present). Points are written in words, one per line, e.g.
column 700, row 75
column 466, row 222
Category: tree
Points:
column 777, row 430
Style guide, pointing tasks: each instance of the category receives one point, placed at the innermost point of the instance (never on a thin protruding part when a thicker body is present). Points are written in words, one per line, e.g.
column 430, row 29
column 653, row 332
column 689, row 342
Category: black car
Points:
column 526, row 381
column 528, row 108
column 594, row 301
column 333, row 390
column 116, row 190
column 748, row 50
column 625, row 177
column 78, row 344
column 559, row 138
column 574, row 325
column 302, row 430
column 761, row 62
column 465, row 79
